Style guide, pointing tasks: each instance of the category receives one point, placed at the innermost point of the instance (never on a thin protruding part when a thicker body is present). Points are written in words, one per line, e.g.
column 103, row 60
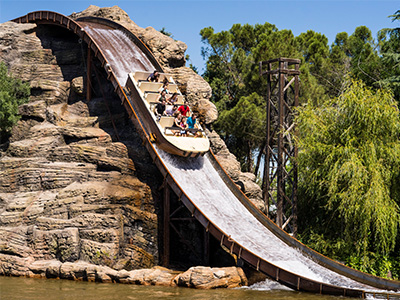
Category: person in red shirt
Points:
column 184, row 109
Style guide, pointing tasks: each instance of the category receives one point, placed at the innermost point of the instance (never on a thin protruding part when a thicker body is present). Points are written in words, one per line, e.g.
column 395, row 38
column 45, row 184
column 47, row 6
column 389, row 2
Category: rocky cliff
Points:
column 76, row 184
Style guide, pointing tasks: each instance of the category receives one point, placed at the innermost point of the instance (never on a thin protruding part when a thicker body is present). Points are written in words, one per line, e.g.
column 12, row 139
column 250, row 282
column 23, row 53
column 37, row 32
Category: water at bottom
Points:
column 12, row 288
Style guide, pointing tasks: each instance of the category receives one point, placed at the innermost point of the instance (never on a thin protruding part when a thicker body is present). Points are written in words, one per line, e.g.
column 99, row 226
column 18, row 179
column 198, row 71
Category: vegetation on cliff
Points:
column 13, row 92
column 349, row 125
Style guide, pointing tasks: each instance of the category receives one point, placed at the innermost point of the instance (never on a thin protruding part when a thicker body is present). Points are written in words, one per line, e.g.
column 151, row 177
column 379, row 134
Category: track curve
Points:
column 213, row 198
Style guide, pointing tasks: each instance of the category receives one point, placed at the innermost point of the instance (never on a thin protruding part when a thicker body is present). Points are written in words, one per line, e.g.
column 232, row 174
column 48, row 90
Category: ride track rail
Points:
column 290, row 279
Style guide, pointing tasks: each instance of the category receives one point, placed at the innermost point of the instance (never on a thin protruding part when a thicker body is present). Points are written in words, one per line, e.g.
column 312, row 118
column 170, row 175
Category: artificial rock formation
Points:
column 211, row 278
column 76, row 185
column 196, row 277
column 68, row 190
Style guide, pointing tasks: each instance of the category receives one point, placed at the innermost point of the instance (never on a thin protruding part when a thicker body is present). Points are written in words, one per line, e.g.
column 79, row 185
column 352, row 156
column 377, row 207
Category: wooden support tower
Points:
column 166, row 225
column 280, row 168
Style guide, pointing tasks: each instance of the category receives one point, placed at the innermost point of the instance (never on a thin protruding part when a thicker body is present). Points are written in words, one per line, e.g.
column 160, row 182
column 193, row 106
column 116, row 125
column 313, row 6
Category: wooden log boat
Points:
column 144, row 95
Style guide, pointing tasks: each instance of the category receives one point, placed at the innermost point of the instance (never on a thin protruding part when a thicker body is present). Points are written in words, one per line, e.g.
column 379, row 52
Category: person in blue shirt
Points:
column 191, row 121
column 192, row 124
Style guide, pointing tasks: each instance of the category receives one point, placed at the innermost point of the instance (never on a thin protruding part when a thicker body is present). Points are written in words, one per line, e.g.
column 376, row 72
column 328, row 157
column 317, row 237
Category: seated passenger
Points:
column 174, row 98
column 165, row 86
column 171, row 109
column 159, row 110
column 153, row 77
column 183, row 125
column 191, row 121
column 177, row 122
column 163, row 97
column 184, row 109
column 192, row 124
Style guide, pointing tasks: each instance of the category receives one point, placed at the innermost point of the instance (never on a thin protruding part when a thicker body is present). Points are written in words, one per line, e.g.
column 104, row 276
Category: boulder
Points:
column 211, row 278
column 198, row 93
column 12, row 265
column 77, row 85
column 156, row 276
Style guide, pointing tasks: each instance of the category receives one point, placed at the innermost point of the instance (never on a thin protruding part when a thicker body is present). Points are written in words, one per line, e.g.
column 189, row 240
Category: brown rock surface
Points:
column 198, row 93
column 68, row 191
column 211, row 278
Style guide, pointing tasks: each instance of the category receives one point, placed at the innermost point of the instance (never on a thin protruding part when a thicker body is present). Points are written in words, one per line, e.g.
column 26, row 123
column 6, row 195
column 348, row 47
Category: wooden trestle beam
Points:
column 166, row 225
column 280, row 168
column 171, row 219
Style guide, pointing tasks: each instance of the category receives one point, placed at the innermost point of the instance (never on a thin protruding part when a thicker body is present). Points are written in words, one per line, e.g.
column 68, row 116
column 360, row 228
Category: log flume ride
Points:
column 203, row 185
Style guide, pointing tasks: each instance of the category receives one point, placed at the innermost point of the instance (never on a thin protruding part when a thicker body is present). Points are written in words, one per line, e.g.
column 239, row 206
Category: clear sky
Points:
column 185, row 18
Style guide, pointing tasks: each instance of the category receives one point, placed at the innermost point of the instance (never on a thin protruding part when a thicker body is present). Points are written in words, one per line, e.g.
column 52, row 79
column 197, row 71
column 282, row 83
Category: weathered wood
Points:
column 280, row 150
column 166, row 226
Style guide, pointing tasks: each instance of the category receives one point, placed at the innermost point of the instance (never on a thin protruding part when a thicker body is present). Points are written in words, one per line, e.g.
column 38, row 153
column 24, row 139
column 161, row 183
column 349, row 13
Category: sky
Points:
column 185, row 18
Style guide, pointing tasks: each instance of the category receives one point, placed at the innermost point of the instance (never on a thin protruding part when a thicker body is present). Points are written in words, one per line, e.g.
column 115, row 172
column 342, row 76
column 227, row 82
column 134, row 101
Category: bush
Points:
column 13, row 92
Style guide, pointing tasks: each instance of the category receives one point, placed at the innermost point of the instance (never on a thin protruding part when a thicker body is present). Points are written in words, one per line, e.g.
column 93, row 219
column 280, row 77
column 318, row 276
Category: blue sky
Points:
column 185, row 18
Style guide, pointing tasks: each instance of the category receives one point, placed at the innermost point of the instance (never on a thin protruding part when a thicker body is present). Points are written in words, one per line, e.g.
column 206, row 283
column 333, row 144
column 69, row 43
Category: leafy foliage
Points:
column 165, row 32
column 233, row 74
column 13, row 92
column 247, row 121
column 349, row 160
column 389, row 41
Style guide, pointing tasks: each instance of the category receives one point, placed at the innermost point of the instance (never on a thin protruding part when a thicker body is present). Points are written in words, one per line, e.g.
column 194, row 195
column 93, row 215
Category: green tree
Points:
column 314, row 48
column 233, row 74
column 13, row 92
column 365, row 62
column 349, row 164
column 389, row 42
column 247, row 128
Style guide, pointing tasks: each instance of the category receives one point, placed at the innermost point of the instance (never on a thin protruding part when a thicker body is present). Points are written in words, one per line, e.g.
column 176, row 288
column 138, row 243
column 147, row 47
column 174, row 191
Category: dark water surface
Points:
column 12, row 288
